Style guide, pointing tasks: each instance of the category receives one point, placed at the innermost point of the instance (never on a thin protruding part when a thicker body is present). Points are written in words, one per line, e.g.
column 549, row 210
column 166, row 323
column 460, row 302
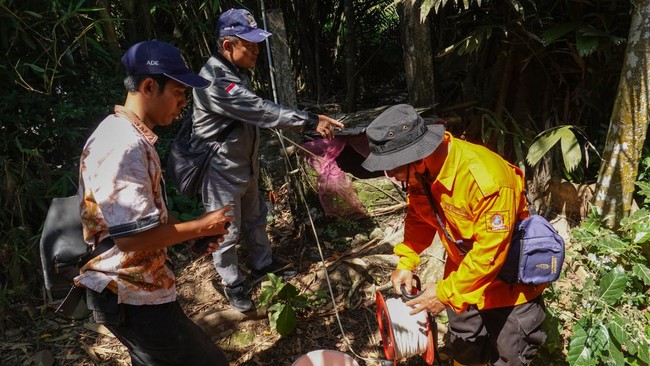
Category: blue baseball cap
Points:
column 240, row 23
column 157, row 57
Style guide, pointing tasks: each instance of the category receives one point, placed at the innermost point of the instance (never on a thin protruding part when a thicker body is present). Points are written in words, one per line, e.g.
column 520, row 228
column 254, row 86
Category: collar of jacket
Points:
column 227, row 63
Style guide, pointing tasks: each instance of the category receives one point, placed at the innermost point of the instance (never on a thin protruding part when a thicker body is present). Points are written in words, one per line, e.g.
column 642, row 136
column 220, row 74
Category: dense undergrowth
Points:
column 600, row 307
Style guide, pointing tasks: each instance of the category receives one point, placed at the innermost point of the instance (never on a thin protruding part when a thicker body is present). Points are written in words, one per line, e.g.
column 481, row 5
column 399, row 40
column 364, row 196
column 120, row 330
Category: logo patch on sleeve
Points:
column 497, row 221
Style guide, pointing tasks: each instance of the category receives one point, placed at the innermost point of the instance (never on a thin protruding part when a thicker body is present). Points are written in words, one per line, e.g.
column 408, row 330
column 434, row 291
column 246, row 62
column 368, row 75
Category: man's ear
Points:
column 227, row 45
column 148, row 86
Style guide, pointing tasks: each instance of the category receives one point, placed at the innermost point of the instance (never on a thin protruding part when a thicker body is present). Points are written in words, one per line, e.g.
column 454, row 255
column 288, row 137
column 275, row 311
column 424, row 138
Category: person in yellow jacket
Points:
column 478, row 197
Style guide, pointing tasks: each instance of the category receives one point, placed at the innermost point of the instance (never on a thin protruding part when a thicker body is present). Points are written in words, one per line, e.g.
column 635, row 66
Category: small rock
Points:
column 377, row 233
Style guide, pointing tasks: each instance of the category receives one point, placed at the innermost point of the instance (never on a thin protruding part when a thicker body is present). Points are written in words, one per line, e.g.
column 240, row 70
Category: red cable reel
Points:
column 388, row 332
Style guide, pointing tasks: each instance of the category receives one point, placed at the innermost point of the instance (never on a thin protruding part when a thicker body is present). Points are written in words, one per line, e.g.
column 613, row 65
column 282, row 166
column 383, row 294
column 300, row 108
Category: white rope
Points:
column 410, row 331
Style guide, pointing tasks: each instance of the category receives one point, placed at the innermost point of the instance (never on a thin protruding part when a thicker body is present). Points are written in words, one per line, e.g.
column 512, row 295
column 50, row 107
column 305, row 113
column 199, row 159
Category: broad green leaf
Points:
column 642, row 272
column 551, row 35
column 612, row 285
column 579, row 352
column 284, row 321
column 599, row 337
column 275, row 310
column 616, row 355
column 287, row 292
column 586, row 45
column 299, row 302
column 617, row 330
column 644, row 354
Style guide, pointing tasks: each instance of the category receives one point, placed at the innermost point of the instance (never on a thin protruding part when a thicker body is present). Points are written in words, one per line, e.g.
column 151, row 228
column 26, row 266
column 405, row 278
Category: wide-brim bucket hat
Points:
column 399, row 137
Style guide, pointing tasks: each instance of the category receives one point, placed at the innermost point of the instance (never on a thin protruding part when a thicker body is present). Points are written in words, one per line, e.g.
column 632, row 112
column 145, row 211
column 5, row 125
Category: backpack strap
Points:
column 427, row 191
column 100, row 248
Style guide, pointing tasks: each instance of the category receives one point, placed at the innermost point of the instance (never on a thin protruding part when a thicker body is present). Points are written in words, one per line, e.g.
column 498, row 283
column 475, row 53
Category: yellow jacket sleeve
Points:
column 408, row 258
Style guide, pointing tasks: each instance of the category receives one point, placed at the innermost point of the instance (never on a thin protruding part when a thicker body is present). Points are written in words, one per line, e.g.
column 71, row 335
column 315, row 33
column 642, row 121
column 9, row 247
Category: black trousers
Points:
column 160, row 335
column 504, row 336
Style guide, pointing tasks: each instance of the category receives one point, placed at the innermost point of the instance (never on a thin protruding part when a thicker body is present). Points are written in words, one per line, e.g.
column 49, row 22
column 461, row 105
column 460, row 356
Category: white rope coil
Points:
column 410, row 331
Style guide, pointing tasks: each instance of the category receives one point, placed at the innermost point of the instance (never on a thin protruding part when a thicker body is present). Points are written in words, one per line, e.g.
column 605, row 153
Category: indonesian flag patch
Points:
column 232, row 88
column 497, row 221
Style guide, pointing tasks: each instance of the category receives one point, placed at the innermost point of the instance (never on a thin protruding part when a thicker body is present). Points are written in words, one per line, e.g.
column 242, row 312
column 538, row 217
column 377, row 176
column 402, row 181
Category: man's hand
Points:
column 208, row 244
column 214, row 222
column 402, row 277
column 426, row 301
column 327, row 126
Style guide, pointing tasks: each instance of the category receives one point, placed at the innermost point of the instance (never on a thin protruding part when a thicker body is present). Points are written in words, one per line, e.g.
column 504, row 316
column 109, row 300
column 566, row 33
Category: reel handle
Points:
column 408, row 296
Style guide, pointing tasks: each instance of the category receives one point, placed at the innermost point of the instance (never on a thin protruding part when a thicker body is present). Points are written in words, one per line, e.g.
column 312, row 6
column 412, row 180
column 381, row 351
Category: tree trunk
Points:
column 628, row 124
column 138, row 27
column 284, row 82
column 418, row 60
column 109, row 28
column 350, row 57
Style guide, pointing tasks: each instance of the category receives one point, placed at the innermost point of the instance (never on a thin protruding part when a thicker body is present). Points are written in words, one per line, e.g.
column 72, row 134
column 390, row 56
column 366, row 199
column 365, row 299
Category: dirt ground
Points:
column 357, row 255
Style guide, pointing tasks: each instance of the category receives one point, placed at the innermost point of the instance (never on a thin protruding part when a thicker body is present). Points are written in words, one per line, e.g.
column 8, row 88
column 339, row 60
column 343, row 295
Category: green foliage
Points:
column 284, row 301
column 588, row 39
column 46, row 41
column 508, row 134
column 473, row 42
column 612, row 326
column 573, row 152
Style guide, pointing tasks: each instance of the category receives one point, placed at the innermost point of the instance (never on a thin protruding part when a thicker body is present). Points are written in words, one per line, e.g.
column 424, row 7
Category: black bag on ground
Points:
column 63, row 252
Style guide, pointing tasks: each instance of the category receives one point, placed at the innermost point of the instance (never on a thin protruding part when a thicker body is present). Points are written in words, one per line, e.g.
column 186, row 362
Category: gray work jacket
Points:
column 229, row 99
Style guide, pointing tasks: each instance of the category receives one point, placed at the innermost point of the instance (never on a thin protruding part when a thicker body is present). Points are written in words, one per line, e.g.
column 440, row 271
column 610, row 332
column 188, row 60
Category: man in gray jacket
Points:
column 229, row 113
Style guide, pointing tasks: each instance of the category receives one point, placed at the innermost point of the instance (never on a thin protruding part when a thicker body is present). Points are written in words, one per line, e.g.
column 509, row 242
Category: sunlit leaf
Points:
column 612, row 285
column 616, row 355
column 644, row 355
column 642, row 272
column 599, row 338
column 571, row 149
column 579, row 352
column 616, row 328
column 544, row 141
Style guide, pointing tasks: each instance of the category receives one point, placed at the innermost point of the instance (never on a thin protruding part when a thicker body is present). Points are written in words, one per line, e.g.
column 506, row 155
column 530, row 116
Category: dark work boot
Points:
column 239, row 299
